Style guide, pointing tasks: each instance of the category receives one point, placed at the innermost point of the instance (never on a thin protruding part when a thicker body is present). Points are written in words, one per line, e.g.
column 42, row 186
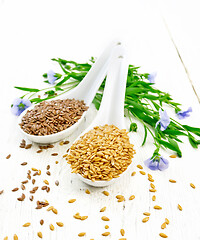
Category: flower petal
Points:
column 152, row 77
column 17, row 101
column 184, row 114
column 153, row 165
column 26, row 102
column 163, row 164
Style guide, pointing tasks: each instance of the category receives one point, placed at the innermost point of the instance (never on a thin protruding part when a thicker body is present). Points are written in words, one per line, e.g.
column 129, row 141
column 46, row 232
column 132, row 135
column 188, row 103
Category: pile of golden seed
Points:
column 103, row 153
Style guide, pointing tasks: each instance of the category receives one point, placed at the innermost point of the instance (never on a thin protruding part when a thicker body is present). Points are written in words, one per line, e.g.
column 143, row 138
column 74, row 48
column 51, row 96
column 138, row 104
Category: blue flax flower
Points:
column 184, row 114
column 51, row 77
column 164, row 120
column 152, row 77
column 19, row 105
column 157, row 163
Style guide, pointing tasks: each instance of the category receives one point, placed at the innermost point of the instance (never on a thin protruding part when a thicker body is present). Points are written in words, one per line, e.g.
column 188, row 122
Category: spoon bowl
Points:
column 85, row 91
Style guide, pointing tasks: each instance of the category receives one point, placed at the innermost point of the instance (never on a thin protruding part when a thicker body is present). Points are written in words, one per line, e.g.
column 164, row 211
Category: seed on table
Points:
column 39, row 234
column 149, row 175
column 34, row 169
column 146, row 219
column 56, row 162
column 131, row 197
column 48, row 167
column 121, row 199
column 54, row 210
column 29, row 176
column 146, row 213
column 133, row 174
column 167, row 221
column 50, row 208
column 21, row 198
column 87, row 191
column 60, row 224
column 173, row 156
column 157, row 207
column 31, row 198
column 27, row 224
column 48, row 173
column 152, row 185
column 71, row 200
column 1, row 192
column 179, row 207
column 57, row 182
column 33, row 181
column 24, row 182
column 172, row 181
column 39, row 172
column 142, row 172
column 41, row 222
column 44, row 187
column 28, row 146
column 54, row 154
column 82, row 234
column 66, row 142
column 61, row 143
column 139, row 166
column 51, row 226
column 24, row 163
column 152, row 190
column 106, row 234
column 77, row 216
column 122, row 231
column 163, row 226
column 15, row 189
column 104, row 218
column 119, row 196
column 9, row 155
column 151, row 179
column 23, row 187
column 163, row 235
column 46, row 182
column 106, row 227
column 15, row 237
column 153, row 198
column 106, row 193
column 103, row 209
column 192, row 185
column 83, row 218
column 39, row 151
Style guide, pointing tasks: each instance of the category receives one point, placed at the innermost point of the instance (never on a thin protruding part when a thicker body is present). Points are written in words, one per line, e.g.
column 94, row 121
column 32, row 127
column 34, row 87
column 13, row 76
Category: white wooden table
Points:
column 161, row 36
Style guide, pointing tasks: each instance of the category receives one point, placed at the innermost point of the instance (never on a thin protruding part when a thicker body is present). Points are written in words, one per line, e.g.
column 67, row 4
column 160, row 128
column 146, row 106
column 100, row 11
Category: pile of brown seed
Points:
column 102, row 153
column 50, row 117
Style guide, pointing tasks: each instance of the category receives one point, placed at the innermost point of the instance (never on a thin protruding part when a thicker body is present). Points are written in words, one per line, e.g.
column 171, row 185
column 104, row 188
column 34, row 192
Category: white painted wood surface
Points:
column 33, row 32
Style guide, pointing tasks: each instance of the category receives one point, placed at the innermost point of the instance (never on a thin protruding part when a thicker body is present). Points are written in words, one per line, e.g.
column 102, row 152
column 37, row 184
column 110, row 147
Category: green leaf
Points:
column 63, row 81
column 145, row 135
column 170, row 145
column 192, row 129
column 28, row 89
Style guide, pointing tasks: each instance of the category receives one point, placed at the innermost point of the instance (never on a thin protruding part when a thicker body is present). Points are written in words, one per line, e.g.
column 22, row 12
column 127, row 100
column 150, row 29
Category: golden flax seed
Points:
column 152, row 185
column 146, row 213
column 153, row 198
column 122, row 231
column 173, row 156
column 105, row 234
column 146, row 219
column 142, row 172
column 163, row 226
column 163, row 235
column 39, row 234
column 82, row 234
column 27, row 224
column 72, row 201
column 46, row 182
column 167, row 221
column 15, row 237
column 152, row 190
column 106, row 193
column 192, row 185
column 179, row 207
column 133, row 174
column 103, row 209
column 157, row 207
column 172, row 181
column 6, row 238
column 60, row 224
column 131, row 197
column 104, row 218
column 54, row 210
column 106, row 227
column 139, row 166
column 51, row 226
column 87, row 191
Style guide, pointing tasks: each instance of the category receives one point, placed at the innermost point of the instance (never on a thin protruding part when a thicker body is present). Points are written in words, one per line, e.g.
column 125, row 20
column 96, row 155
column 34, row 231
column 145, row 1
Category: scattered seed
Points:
column 35, row 174
column 66, row 142
column 24, row 182
column 48, row 189
column 153, row 198
column 157, row 207
column 60, row 224
column 173, row 156
column 77, row 216
column 39, row 172
column 146, row 219
column 15, row 189
column 121, row 199
column 41, row 222
column 33, row 181
column 119, row 196
column 71, row 200
column 106, row 227
column 142, row 172
column 83, row 218
column 105, row 234
column 152, row 190
column 39, row 151
column 172, row 181
column 24, row 163
column 54, row 154
column 152, row 185
column 192, row 185
column 34, row 169
column 167, row 221
column 61, row 143
column 104, row 218
column 146, row 213
column 21, row 198
column 28, row 146
column 87, row 191
column 31, row 198
column 48, row 167
column 27, row 224
column 54, row 210
column 44, row 187
column 15, row 237
column 106, row 193
column 51, row 226
column 9, row 155
column 163, row 235
column 103, row 209
column 56, row 162
column 46, row 182
column 151, row 179
column 48, row 173
column 133, row 174
column 23, row 187
column 179, row 207
column 139, row 166
column 163, row 226
column 39, row 234
column 82, row 234
column 122, row 231
column 38, row 207
column 131, row 197
column 29, row 177
column 50, row 208
column 57, row 182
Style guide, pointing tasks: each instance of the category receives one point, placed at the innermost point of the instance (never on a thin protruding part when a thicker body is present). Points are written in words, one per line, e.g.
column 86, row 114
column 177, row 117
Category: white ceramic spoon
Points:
column 112, row 106
column 85, row 91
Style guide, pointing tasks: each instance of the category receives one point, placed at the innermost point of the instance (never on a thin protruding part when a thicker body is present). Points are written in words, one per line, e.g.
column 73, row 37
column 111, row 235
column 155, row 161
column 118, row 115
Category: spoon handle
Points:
column 87, row 88
column 112, row 106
